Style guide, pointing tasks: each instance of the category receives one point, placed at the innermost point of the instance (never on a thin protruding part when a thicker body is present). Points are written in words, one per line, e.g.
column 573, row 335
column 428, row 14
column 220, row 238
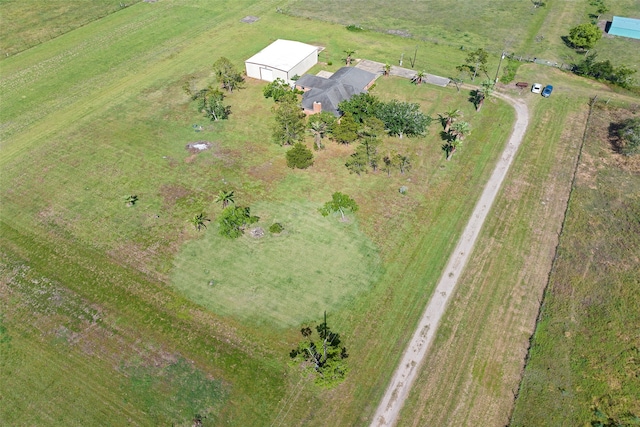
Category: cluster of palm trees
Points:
column 454, row 131
column 225, row 197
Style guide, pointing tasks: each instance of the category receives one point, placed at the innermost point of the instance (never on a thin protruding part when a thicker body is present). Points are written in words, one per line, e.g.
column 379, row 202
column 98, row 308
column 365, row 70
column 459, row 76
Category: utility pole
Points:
column 498, row 70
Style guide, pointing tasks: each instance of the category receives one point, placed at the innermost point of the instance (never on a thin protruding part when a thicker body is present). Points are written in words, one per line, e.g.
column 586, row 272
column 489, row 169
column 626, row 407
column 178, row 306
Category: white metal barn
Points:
column 283, row 59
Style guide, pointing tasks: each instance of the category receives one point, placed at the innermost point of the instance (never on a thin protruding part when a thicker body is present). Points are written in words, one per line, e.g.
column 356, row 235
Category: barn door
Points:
column 266, row 74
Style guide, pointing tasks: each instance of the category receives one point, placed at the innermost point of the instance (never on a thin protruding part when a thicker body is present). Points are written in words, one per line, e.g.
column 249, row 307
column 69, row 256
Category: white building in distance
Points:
column 282, row 59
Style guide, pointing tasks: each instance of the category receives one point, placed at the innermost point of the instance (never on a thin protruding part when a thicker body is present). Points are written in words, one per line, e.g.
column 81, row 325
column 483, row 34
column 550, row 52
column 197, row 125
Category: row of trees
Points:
column 605, row 71
column 395, row 118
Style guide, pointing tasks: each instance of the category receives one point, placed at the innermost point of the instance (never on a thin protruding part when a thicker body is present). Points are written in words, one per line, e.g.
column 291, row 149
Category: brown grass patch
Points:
column 172, row 193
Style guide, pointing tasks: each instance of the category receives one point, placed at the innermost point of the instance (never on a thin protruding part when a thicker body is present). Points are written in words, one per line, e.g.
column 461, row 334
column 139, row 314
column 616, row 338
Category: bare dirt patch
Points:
column 172, row 193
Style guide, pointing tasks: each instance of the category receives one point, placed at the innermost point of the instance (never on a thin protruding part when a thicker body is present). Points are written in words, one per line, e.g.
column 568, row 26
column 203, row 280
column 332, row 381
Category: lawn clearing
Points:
column 315, row 264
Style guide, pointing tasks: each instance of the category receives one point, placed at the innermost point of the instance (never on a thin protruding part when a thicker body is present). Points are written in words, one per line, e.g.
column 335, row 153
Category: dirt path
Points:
column 406, row 373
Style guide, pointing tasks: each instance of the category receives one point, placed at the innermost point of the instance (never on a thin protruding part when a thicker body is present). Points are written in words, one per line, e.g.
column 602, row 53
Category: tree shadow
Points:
column 567, row 42
column 614, row 136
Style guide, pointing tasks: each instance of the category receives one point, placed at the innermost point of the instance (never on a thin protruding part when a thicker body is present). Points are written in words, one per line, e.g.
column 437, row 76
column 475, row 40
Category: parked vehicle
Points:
column 536, row 88
column 547, row 91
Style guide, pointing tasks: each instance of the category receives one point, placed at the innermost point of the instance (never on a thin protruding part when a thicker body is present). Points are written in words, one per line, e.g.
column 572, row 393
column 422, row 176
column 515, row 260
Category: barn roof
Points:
column 342, row 85
column 625, row 27
column 282, row 54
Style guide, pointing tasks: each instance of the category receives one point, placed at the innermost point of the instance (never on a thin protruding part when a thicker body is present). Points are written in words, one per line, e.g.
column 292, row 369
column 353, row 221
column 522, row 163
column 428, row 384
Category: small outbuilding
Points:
column 625, row 27
column 282, row 59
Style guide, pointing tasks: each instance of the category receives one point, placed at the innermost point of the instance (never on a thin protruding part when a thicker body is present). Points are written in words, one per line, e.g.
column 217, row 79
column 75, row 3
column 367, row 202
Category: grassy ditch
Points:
column 583, row 363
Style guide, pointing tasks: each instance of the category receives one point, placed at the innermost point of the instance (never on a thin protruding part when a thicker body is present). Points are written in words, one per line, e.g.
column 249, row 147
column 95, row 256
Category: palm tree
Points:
column 349, row 52
column 419, row 77
column 477, row 98
column 449, row 117
column 199, row 220
column 318, row 129
column 450, row 147
column 386, row 70
column 460, row 130
column 404, row 163
column 225, row 197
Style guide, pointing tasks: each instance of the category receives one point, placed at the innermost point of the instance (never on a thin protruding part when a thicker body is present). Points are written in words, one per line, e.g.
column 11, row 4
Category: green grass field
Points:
column 112, row 304
column 315, row 264
column 87, row 126
column 27, row 24
column 584, row 364
column 516, row 27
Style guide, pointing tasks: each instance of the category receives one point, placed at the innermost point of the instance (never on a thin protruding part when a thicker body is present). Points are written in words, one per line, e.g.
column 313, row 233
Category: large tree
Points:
column 211, row 104
column 339, row 203
column 346, row 130
column 476, row 61
column 279, row 90
column 403, row 118
column 227, row 75
column 358, row 162
column 584, row 36
column 360, row 106
column 234, row 219
column 324, row 354
column 289, row 124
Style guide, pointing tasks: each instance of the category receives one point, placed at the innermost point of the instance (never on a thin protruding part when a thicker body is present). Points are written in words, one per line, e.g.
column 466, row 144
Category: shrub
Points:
column 234, row 219
column 629, row 134
column 510, row 70
column 276, row 228
column 299, row 157
column 355, row 28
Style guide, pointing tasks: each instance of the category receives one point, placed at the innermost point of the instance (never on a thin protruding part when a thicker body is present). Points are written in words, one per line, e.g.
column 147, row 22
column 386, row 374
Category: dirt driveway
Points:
column 406, row 373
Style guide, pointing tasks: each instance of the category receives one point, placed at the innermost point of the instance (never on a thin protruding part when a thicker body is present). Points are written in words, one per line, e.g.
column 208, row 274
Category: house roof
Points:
column 625, row 27
column 283, row 54
column 341, row 86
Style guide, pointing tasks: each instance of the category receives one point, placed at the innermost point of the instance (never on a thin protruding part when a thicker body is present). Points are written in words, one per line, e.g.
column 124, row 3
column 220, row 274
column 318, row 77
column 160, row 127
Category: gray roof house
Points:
column 324, row 94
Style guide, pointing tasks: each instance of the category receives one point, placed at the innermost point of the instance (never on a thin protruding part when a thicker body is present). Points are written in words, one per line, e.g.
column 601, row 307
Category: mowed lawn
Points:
column 98, row 114
column 317, row 263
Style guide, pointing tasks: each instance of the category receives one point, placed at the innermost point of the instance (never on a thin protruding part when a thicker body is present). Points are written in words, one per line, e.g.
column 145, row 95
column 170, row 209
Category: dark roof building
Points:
column 324, row 94
column 625, row 27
